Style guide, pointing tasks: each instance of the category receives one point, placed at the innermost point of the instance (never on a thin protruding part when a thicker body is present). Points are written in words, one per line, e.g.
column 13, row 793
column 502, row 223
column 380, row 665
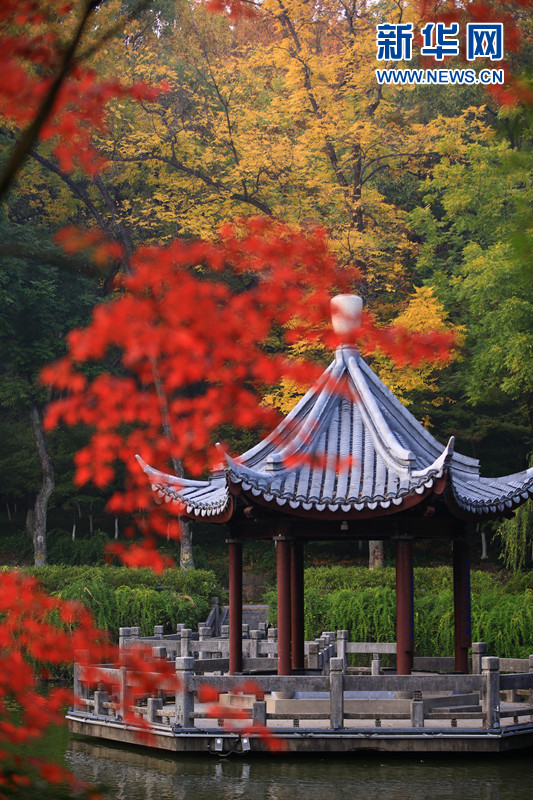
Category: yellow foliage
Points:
column 423, row 313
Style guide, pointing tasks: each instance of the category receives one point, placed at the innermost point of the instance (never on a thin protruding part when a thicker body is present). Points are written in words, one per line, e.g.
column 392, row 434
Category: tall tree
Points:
column 39, row 303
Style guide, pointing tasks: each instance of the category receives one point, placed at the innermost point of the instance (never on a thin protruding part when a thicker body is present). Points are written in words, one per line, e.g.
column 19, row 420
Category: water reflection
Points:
column 138, row 775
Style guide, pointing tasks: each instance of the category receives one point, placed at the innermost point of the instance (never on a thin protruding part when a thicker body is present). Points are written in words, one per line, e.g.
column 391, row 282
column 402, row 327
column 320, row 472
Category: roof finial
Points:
column 346, row 310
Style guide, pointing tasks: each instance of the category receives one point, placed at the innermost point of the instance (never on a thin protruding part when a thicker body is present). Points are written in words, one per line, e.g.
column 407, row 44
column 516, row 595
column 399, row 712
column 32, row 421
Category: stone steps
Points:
column 254, row 614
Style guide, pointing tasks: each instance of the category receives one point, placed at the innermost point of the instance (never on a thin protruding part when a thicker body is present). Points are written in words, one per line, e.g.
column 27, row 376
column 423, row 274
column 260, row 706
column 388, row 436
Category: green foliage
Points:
column 148, row 607
column 98, row 597
column 475, row 232
column 324, row 579
column 364, row 603
column 516, row 535
column 505, row 622
column 57, row 577
column 118, row 596
column 39, row 304
column 62, row 549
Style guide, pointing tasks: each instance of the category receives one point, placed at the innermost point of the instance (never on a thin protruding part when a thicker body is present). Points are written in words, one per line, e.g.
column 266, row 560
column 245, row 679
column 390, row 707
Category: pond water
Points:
column 135, row 774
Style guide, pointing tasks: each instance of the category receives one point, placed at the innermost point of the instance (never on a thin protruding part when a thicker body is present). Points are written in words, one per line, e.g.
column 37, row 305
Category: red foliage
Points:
column 38, row 629
column 31, row 54
column 515, row 90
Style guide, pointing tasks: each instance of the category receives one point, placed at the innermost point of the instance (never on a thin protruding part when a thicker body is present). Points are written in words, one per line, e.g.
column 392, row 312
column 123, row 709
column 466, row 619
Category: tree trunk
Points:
column 484, row 549
column 376, row 555
column 186, row 559
column 38, row 530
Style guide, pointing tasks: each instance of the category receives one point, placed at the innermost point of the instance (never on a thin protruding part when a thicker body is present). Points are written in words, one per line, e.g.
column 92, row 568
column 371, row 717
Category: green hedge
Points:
column 118, row 596
column 363, row 602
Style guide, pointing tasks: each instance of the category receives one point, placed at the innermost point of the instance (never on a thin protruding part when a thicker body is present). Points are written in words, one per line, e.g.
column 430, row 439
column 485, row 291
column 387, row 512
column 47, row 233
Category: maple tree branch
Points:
column 30, row 135
column 68, row 59
column 74, row 187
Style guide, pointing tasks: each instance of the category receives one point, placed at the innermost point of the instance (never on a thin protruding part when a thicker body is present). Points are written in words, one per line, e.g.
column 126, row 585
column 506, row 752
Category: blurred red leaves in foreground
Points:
column 515, row 90
column 38, row 634
column 34, row 43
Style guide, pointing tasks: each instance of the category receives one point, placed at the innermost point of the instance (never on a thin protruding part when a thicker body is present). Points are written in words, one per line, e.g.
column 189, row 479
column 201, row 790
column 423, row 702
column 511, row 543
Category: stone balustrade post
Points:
column 77, row 687
column 342, row 641
column 272, row 639
column 224, row 631
column 376, row 664
column 336, row 693
column 153, row 705
column 124, row 636
column 184, row 696
column 479, row 650
column 312, row 656
column 159, row 631
column 215, row 605
column 159, row 652
column 185, row 649
column 99, row 699
column 259, row 713
column 122, row 692
column 245, row 630
column 417, row 710
column 204, row 632
column 254, row 643
column 490, row 670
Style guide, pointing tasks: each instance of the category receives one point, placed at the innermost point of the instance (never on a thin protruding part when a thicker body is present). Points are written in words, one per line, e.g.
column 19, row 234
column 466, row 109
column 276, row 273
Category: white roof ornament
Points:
column 346, row 311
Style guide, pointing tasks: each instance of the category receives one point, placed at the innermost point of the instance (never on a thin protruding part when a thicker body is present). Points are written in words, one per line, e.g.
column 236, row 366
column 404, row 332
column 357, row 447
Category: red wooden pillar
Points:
column 235, row 605
column 297, row 604
column 461, row 603
column 404, row 606
column 283, row 558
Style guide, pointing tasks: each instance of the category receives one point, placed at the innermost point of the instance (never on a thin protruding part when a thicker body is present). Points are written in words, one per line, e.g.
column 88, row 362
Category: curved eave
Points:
column 365, row 508
column 209, row 501
column 202, row 514
column 487, row 499
column 191, row 508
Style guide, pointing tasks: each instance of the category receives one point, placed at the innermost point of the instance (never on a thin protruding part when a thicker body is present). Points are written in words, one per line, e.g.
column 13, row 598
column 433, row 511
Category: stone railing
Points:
column 336, row 698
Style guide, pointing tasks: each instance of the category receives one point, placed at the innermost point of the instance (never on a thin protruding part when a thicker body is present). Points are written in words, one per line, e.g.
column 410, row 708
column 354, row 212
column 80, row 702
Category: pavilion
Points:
column 349, row 462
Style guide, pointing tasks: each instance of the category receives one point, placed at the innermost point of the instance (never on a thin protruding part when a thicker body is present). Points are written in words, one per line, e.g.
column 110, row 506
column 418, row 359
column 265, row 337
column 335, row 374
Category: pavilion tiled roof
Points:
column 349, row 448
